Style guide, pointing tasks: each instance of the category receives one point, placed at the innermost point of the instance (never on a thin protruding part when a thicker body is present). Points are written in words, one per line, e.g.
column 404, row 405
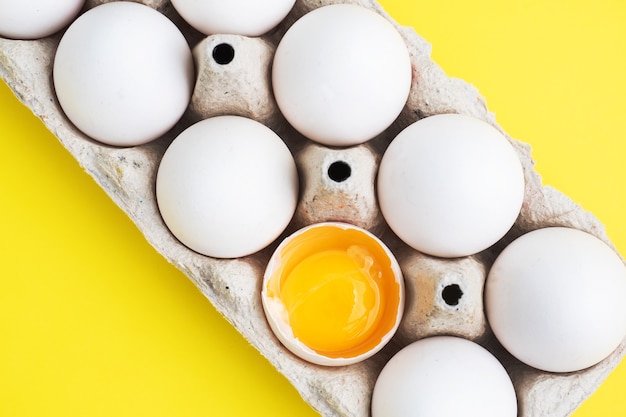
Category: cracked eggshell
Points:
column 383, row 272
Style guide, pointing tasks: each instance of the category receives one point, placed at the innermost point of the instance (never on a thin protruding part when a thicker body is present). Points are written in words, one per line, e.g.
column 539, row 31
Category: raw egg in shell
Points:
column 237, row 17
column 450, row 185
column 34, row 19
column 555, row 299
column 123, row 73
column 444, row 376
column 333, row 294
column 341, row 74
column 227, row 186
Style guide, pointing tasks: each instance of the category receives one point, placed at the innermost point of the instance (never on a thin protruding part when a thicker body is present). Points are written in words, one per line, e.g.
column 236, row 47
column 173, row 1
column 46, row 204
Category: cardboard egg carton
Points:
column 329, row 191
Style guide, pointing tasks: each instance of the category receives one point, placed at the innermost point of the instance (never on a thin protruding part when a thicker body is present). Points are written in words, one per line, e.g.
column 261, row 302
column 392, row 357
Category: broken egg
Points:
column 333, row 293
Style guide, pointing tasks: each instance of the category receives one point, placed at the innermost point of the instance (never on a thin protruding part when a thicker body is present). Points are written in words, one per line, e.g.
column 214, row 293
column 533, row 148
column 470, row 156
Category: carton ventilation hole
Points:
column 339, row 171
column 223, row 53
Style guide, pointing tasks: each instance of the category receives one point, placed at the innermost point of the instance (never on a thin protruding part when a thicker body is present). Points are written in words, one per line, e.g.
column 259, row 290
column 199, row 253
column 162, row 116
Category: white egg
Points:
column 341, row 74
column 238, row 17
column 444, row 376
column 227, row 187
column 450, row 185
column 34, row 19
column 555, row 299
column 123, row 73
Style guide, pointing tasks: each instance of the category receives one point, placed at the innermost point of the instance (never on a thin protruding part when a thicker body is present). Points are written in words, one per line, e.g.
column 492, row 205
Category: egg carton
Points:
column 444, row 296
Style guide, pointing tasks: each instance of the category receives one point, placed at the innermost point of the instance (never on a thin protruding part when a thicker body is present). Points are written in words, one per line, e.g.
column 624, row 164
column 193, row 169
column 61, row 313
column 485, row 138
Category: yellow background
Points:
column 94, row 323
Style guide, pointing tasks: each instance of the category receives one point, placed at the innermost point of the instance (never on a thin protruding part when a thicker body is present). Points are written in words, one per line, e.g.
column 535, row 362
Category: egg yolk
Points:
column 338, row 291
column 332, row 299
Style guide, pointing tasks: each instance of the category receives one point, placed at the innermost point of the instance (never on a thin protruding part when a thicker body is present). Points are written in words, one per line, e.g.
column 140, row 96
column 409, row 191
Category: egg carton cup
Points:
column 444, row 296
